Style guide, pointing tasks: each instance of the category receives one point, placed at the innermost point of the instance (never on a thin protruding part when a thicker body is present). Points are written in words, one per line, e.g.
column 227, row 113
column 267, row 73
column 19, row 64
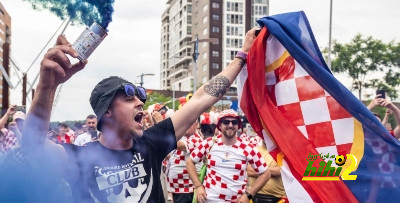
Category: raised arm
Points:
column 4, row 119
column 386, row 117
column 375, row 102
column 396, row 112
column 210, row 92
column 55, row 69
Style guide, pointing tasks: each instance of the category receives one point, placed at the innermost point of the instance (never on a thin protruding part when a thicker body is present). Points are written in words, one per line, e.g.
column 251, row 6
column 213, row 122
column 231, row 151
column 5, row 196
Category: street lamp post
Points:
column 196, row 55
column 141, row 77
column 330, row 36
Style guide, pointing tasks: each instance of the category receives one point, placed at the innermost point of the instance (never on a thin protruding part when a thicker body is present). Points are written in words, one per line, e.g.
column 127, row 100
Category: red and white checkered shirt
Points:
column 254, row 140
column 178, row 177
column 9, row 140
column 226, row 178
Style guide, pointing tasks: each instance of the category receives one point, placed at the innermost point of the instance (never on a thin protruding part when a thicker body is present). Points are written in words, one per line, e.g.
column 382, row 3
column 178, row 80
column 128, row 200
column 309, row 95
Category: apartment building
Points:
column 5, row 41
column 221, row 24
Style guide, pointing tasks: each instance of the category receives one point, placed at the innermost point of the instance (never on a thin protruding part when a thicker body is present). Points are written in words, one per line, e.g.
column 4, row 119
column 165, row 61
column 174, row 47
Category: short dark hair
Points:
column 91, row 116
column 63, row 125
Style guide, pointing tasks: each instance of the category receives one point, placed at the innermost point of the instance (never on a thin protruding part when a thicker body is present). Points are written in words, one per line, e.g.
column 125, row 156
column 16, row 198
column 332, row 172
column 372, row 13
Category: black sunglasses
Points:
column 226, row 122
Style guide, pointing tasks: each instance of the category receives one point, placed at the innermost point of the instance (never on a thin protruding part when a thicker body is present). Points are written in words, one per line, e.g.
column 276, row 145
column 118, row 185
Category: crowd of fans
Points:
column 177, row 185
column 119, row 153
column 195, row 148
column 209, row 129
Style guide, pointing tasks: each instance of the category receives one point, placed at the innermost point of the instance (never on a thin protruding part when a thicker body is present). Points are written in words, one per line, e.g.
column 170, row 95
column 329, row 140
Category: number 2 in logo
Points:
column 353, row 164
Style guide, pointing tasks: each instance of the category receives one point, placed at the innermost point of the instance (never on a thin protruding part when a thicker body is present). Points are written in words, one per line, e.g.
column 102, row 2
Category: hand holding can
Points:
column 88, row 41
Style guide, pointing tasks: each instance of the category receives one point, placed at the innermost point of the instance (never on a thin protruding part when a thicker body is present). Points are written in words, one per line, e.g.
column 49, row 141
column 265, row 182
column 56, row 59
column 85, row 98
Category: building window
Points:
column 215, row 53
column 240, row 7
column 205, row 8
column 205, row 55
column 205, row 31
column 234, row 43
column 205, row 79
column 215, row 17
column 215, row 29
column 189, row 19
column 204, row 67
column 215, row 5
column 259, row 10
column 234, row 6
column 230, row 55
column 215, row 66
column 234, row 19
column 234, row 30
column 205, row 19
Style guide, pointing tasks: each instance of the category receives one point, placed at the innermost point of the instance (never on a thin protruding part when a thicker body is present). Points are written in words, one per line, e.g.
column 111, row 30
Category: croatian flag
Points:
column 295, row 104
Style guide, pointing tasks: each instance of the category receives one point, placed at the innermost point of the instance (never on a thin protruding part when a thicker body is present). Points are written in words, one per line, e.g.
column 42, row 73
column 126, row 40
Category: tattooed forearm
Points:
column 217, row 86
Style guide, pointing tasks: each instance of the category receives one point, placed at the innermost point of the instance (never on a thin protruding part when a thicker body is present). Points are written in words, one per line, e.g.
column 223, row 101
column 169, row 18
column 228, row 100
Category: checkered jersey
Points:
column 297, row 95
column 226, row 179
column 9, row 140
column 254, row 140
column 178, row 177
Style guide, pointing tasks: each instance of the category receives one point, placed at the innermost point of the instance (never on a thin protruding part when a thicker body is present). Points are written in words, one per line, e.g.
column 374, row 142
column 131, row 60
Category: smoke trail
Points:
column 80, row 11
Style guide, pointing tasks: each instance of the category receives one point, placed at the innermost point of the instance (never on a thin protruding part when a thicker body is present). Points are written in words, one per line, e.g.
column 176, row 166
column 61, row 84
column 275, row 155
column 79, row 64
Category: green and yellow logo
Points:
column 326, row 171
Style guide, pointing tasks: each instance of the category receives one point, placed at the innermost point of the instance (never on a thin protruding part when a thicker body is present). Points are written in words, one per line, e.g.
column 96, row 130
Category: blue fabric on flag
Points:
column 234, row 105
column 378, row 174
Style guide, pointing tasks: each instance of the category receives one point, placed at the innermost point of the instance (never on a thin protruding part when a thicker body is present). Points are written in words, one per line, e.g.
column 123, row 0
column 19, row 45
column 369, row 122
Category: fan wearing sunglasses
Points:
column 125, row 164
column 227, row 159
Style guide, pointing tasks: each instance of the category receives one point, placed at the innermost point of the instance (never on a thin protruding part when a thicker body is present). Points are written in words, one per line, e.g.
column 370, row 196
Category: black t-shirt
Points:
column 99, row 174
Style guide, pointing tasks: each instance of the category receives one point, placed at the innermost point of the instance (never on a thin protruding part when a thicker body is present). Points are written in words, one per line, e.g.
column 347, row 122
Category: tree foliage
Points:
column 155, row 97
column 369, row 62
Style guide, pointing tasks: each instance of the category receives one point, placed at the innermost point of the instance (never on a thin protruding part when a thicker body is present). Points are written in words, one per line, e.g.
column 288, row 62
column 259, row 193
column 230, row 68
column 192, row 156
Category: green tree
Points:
column 363, row 58
column 154, row 98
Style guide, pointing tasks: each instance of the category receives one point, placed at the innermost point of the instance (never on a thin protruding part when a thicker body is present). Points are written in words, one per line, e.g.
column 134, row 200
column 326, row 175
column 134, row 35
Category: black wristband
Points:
column 242, row 56
column 249, row 195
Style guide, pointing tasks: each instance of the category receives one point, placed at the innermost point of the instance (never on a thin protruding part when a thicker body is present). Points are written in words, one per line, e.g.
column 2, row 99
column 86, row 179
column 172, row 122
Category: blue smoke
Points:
column 80, row 11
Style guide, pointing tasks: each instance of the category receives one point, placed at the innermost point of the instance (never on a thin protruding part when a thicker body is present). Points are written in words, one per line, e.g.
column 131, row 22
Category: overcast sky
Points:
column 132, row 46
